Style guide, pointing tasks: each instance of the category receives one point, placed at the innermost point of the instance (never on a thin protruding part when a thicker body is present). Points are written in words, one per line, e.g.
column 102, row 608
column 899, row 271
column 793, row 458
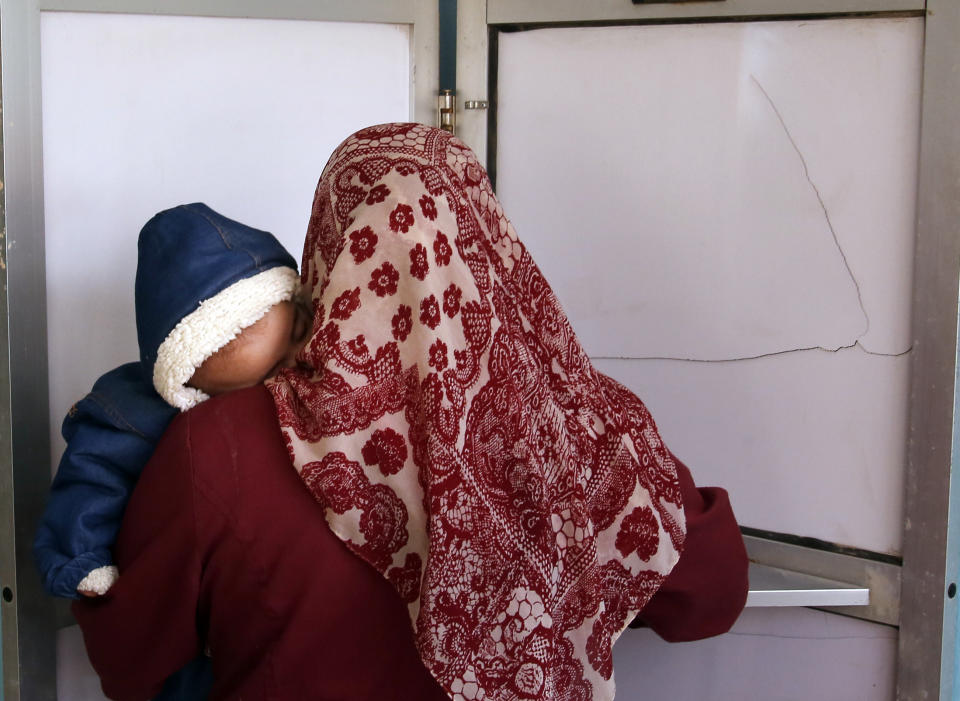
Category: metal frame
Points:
column 773, row 586
column 7, row 548
column 472, row 50
column 924, row 604
column 566, row 11
column 29, row 651
column 28, row 620
column 949, row 649
column 882, row 578
column 927, row 615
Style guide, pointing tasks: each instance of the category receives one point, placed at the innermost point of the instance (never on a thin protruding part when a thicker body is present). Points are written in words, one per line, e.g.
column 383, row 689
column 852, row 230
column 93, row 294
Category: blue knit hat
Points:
column 201, row 280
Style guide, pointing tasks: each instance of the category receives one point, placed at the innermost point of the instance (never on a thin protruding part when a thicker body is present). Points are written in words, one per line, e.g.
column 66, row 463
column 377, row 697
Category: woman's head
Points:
column 457, row 435
column 406, row 228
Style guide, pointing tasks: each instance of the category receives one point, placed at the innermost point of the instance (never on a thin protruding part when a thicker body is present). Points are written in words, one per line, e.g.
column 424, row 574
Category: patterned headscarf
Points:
column 457, row 436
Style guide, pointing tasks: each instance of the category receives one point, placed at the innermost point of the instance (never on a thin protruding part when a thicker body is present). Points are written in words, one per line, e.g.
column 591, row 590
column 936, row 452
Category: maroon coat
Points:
column 222, row 546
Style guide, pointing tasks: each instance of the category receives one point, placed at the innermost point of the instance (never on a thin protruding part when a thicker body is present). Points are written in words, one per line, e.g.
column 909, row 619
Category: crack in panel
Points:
column 846, row 263
column 820, row 349
column 823, row 206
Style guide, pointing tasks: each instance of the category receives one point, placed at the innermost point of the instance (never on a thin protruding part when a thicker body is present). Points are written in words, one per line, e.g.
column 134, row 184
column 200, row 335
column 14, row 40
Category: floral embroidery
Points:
column 378, row 194
column 402, row 323
column 438, row 355
column 386, row 449
column 358, row 346
column 598, row 650
column 428, row 207
column 418, row 261
column 528, row 681
column 441, row 249
column 451, row 300
column 346, row 304
column 406, row 579
column 401, row 218
column 639, row 532
column 383, row 280
column 362, row 244
column 430, row 312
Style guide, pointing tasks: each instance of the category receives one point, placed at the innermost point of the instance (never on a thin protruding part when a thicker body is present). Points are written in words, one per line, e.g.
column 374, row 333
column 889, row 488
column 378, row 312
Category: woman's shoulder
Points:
column 232, row 439
column 252, row 407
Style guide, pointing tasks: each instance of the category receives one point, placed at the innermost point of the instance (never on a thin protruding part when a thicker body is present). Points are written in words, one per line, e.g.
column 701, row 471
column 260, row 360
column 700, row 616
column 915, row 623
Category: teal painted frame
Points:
column 950, row 649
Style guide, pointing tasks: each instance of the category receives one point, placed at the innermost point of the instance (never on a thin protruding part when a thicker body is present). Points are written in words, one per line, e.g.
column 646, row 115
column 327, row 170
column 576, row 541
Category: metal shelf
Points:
column 773, row 586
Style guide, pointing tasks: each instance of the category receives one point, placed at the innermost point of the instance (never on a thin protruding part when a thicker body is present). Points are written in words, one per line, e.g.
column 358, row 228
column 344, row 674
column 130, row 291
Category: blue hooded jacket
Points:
column 187, row 254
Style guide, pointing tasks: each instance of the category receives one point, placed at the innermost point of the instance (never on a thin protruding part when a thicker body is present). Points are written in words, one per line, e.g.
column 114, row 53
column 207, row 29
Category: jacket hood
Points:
column 201, row 279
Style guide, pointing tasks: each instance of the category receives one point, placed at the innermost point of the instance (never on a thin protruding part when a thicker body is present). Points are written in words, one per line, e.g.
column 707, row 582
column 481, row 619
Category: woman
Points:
column 519, row 507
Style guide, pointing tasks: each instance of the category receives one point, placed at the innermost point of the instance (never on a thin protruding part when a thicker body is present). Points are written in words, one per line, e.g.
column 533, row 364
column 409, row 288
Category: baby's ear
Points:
column 301, row 297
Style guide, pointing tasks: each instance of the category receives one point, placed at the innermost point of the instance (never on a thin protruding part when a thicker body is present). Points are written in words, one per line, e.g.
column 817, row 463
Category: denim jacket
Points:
column 110, row 434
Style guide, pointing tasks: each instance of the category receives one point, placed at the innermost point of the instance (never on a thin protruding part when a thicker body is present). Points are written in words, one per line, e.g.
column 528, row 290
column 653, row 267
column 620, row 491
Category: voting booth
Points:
column 748, row 209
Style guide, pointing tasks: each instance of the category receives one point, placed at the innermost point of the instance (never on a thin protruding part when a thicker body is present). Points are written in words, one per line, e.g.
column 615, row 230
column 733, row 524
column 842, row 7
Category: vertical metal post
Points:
column 8, row 566
column 29, row 643
column 472, row 57
column 447, row 55
column 7, row 552
column 447, row 24
column 926, row 579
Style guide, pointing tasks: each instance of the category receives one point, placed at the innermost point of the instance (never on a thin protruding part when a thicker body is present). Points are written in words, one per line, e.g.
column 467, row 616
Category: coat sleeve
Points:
column 144, row 628
column 96, row 475
column 706, row 591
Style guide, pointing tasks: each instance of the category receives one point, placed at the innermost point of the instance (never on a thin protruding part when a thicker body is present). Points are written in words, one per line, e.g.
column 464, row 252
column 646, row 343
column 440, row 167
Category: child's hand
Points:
column 98, row 581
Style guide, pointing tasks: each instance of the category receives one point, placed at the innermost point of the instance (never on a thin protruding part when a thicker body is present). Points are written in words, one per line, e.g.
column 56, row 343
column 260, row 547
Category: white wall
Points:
column 141, row 113
column 701, row 195
column 770, row 655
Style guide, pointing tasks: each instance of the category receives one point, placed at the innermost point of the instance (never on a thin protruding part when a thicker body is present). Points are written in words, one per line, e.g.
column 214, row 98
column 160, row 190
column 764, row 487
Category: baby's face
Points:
column 258, row 353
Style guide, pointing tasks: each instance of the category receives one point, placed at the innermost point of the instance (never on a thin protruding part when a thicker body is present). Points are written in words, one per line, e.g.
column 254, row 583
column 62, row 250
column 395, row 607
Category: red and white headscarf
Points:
column 457, row 436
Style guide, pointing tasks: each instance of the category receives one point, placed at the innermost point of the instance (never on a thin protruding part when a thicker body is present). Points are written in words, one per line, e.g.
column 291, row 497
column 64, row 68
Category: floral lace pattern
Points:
column 458, row 437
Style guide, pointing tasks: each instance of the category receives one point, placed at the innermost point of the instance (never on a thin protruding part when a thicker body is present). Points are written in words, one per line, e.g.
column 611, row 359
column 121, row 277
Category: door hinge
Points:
column 447, row 111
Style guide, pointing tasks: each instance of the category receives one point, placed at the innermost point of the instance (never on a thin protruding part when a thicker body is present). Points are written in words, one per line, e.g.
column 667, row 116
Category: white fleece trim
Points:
column 211, row 326
column 99, row 580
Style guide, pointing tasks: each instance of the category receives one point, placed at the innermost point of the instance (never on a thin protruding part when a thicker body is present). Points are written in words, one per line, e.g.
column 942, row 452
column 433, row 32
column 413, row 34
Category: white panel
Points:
column 141, row 113
column 674, row 173
column 727, row 191
column 770, row 655
column 76, row 680
column 812, row 444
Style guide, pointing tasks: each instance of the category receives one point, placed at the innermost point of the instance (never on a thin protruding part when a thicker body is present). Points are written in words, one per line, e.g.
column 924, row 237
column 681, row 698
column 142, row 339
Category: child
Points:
column 216, row 311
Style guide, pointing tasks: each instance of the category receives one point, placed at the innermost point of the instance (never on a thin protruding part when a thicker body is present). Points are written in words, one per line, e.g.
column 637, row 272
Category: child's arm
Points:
column 145, row 628
column 105, row 454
